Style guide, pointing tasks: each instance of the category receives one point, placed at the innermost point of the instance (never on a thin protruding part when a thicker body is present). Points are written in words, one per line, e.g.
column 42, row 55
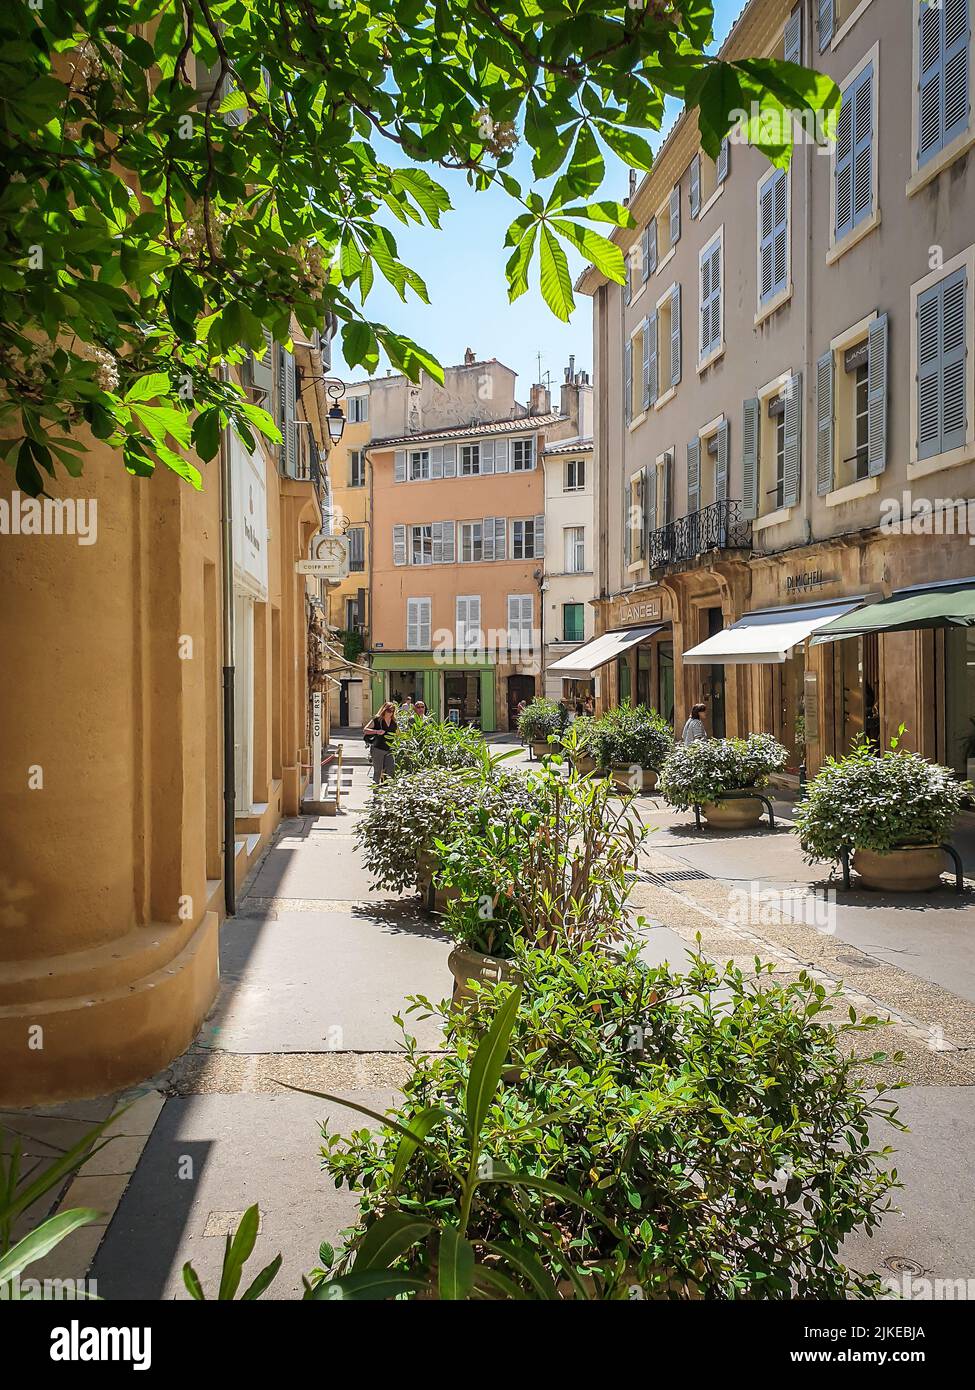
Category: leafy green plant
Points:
column 632, row 737
column 237, row 1251
column 552, row 873
column 19, row 1192
column 709, row 769
column 352, row 643
column 541, row 719
column 878, row 802
column 407, row 813
column 420, row 744
column 649, row 1133
column 168, row 200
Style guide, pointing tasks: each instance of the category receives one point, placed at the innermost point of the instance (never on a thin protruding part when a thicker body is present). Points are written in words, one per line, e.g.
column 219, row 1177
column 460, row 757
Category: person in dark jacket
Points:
column 377, row 734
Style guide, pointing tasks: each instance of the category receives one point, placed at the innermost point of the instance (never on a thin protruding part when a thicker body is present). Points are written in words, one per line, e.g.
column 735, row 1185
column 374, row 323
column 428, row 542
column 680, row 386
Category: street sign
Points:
column 316, row 745
column 329, row 558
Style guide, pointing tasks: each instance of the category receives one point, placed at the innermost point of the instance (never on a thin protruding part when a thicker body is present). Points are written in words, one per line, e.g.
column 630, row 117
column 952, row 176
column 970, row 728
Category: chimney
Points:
column 632, row 182
column 540, row 400
column 469, row 358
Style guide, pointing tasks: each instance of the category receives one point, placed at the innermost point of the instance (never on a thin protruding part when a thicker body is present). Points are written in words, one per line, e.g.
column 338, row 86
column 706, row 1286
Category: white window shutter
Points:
column 399, row 545
column 426, row 637
column 450, row 460
column 487, row 538
column 539, row 537
column 501, row 456
column 877, row 359
column 724, row 160
column 500, row 537
column 825, row 448
column 750, row 432
column 399, row 466
column 436, row 461
column 449, row 532
column 436, row 535
column 651, row 234
column 487, row 456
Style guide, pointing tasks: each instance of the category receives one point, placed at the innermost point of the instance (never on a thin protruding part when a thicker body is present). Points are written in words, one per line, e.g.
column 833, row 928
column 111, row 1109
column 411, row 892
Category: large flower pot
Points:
column 735, row 813
column 466, row 964
column 649, row 779
column 909, row 869
column 629, row 781
column 541, row 750
column 584, row 763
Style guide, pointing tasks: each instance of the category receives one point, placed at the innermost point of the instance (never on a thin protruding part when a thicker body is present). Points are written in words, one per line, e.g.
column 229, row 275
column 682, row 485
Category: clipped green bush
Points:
column 629, row 736
column 647, row 1135
column 540, row 719
column 420, row 744
column 878, row 802
column 706, row 771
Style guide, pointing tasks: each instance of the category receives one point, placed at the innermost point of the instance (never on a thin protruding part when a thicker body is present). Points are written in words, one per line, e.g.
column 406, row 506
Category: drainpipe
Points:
column 229, row 769
column 808, row 377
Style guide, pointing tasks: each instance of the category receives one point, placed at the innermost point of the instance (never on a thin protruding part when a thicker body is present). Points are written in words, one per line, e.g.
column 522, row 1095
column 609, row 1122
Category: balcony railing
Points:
column 717, row 527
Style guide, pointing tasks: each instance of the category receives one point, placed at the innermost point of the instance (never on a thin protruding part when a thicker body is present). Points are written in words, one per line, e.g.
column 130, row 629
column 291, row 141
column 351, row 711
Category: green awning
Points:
column 934, row 605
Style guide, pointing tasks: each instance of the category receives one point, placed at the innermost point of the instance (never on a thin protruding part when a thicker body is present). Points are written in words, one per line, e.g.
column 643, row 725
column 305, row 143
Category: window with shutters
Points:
column 357, row 468
column 574, row 538
column 851, row 409
column 523, row 540
column 521, row 611
column 943, row 58
column 421, row 545
column 853, row 197
column 711, row 316
column 942, row 354
column 640, row 361
column 522, row 455
column 835, row 19
column 636, row 520
column 774, row 241
column 573, row 622
column 418, row 624
column 666, row 349
column 575, row 475
column 419, row 465
column 467, row 629
column 358, row 409
column 713, row 470
column 772, row 449
column 660, row 238
column 707, row 179
column 790, row 48
column 471, row 542
column 470, row 460
column 357, row 548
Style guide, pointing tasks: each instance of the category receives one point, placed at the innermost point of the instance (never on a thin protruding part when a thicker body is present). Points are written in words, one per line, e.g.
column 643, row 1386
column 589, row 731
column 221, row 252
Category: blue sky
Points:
column 463, row 267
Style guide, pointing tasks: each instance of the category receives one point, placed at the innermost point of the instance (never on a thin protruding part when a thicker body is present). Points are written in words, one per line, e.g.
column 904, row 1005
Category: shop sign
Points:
column 810, row 705
column 644, row 611
column 807, row 582
column 249, row 501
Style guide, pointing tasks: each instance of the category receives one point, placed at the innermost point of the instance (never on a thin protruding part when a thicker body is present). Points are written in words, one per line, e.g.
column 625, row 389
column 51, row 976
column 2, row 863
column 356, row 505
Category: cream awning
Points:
column 584, row 660
column 768, row 637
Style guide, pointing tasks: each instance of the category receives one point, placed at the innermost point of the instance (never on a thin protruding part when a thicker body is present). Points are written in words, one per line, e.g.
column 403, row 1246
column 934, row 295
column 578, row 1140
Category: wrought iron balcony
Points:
column 717, row 527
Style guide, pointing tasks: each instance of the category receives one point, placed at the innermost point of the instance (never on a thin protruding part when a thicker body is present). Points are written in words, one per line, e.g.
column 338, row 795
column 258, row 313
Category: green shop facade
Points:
column 465, row 691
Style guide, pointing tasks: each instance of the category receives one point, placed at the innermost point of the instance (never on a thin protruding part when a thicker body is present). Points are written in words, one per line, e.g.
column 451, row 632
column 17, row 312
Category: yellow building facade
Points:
column 350, row 492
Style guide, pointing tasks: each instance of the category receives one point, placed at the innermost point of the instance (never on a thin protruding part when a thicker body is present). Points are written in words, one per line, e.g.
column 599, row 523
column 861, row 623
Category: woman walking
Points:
column 377, row 734
column 694, row 729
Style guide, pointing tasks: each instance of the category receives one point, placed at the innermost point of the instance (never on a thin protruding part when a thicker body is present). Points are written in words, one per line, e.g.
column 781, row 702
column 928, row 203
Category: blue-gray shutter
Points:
column 750, row 430
column 627, row 283
column 721, row 463
column 724, row 157
column 649, row 505
column 399, row 545
column 487, row 538
column 399, row 466
column 628, row 383
column 877, row 360
column 827, row 20
column 696, row 186
column 667, row 481
column 651, row 361
column 825, row 448
column 928, row 330
column 957, row 47
column 767, row 239
column 792, row 49
column 648, row 250
column 627, row 529
column 792, row 463
column 853, row 171
column 675, row 215
column 943, row 404
column 693, row 477
column 943, row 87
column 843, row 168
column 289, row 431
column 711, row 301
column 675, row 336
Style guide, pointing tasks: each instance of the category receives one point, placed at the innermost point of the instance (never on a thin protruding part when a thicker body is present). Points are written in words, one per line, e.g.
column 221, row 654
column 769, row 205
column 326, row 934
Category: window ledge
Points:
column 840, row 248
column 920, row 468
column 642, row 290
column 666, row 260
column 634, row 567
column 926, row 173
column 774, row 305
column 668, row 395
column 847, row 25
column 706, row 207
column 776, row 518
column 707, row 362
column 637, row 421
column 863, row 488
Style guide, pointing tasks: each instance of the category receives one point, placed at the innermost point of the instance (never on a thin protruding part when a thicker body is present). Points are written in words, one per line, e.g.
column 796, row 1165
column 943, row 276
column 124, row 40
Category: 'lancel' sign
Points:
column 647, row 611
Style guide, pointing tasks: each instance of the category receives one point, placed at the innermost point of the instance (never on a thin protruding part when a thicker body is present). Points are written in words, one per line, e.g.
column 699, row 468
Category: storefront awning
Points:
column 584, row 660
column 768, row 637
column 930, row 605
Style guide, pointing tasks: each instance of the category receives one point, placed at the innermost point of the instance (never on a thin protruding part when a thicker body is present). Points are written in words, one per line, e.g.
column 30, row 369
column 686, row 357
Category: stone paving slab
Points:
column 218, row 1154
column 314, row 868
column 316, row 982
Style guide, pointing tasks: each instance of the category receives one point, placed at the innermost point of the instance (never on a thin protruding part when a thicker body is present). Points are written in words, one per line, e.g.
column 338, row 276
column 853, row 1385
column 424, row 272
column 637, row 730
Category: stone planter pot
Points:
column 649, row 779
column 466, row 964
column 624, row 778
column 541, row 750
column 737, row 813
column 585, row 764
column 909, row 869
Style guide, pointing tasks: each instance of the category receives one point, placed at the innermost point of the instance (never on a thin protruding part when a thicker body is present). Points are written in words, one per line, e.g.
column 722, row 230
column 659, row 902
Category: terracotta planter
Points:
column 466, row 965
column 624, row 778
column 541, row 750
column 910, row 869
column 585, row 764
column 736, row 813
column 649, row 779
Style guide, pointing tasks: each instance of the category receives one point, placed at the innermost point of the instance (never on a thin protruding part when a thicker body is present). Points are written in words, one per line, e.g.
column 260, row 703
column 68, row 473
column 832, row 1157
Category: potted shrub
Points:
column 561, row 1147
column 419, row 744
column 633, row 744
column 893, row 810
column 709, row 773
column 539, row 720
column 553, row 874
column 579, row 740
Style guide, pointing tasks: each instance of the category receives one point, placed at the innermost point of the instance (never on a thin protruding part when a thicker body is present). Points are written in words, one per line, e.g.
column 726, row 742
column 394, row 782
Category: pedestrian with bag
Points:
column 377, row 734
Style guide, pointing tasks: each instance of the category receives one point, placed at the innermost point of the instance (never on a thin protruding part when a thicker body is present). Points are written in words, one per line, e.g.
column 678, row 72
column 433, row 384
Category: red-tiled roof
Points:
column 523, row 424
